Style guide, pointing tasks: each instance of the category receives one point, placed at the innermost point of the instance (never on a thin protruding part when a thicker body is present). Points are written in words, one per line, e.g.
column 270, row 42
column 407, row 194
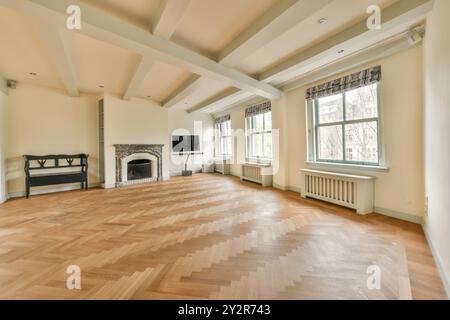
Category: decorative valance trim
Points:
column 350, row 82
column 258, row 109
column 221, row 119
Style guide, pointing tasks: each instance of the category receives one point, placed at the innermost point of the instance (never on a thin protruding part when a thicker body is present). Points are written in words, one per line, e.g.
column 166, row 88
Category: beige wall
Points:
column 181, row 122
column 47, row 121
column 3, row 102
column 137, row 121
column 399, row 191
column 437, row 135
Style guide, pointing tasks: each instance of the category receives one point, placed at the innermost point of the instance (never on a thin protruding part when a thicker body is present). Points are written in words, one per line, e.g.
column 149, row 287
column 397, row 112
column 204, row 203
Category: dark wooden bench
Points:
column 54, row 163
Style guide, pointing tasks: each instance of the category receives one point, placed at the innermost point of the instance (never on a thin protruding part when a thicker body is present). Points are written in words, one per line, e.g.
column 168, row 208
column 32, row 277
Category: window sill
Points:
column 326, row 165
column 257, row 164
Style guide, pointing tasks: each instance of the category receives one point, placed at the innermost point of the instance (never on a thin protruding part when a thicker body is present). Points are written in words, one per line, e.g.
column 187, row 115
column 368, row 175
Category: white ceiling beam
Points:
column 169, row 16
column 282, row 17
column 107, row 28
column 167, row 20
column 226, row 98
column 59, row 51
column 396, row 19
column 143, row 68
column 183, row 91
column 354, row 61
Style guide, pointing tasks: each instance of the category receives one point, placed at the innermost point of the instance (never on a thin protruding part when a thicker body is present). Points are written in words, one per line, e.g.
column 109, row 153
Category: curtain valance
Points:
column 350, row 82
column 221, row 119
column 258, row 109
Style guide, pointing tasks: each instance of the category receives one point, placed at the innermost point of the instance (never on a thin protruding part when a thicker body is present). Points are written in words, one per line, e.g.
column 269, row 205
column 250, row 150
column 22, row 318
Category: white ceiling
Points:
column 206, row 27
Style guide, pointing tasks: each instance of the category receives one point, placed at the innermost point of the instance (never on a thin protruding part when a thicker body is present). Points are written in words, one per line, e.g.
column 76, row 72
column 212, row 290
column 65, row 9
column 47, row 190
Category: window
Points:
column 346, row 127
column 223, row 138
column 258, row 129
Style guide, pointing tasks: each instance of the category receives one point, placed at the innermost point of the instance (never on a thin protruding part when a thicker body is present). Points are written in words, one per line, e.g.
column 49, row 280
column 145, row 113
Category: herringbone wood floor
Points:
column 206, row 236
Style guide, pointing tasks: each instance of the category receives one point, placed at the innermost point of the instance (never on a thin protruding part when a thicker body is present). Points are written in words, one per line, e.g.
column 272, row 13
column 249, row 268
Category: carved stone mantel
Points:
column 125, row 150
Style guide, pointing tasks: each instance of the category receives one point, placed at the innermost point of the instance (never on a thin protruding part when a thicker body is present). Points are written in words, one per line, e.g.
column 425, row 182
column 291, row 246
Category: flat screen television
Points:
column 185, row 144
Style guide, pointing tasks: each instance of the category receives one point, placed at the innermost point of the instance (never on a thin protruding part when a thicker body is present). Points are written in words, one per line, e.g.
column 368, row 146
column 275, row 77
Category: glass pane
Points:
column 228, row 150
column 361, row 103
column 257, row 145
column 268, row 145
column 259, row 120
column 361, row 142
column 268, row 121
column 228, row 128
column 331, row 109
column 330, row 143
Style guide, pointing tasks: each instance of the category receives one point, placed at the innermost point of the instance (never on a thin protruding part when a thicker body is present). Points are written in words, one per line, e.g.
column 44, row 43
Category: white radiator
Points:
column 222, row 167
column 347, row 190
column 258, row 173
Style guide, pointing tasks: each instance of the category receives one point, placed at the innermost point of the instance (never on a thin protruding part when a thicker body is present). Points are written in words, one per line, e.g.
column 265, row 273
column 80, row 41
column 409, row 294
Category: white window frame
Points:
column 312, row 136
column 250, row 132
column 221, row 137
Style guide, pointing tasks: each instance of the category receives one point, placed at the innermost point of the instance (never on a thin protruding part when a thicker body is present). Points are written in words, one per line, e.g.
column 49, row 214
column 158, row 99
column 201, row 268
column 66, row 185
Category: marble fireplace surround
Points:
column 127, row 152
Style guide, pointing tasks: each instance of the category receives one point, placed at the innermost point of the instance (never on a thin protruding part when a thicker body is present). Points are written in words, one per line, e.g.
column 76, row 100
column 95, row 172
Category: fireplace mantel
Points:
column 125, row 150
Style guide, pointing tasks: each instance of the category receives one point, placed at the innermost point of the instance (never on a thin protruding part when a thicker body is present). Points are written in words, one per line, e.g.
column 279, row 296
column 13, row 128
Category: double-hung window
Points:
column 223, row 136
column 344, row 120
column 258, row 131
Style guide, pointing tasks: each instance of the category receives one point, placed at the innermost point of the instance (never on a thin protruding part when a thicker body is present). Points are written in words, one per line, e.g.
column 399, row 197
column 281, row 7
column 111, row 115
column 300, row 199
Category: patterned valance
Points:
column 221, row 119
column 350, row 82
column 258, row 109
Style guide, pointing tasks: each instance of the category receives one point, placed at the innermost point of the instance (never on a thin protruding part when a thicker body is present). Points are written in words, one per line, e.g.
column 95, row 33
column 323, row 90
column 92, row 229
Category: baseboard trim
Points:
column 280, row 187
column 286, row 188
column 437, row 258
column 21, row 194
column 399, row 215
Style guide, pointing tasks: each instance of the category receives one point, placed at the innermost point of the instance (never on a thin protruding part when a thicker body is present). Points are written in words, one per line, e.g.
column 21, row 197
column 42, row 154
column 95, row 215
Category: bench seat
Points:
column 55, row 162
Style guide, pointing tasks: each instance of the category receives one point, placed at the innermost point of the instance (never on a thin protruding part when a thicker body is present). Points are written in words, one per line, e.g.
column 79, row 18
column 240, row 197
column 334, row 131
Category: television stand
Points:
column 186, row 172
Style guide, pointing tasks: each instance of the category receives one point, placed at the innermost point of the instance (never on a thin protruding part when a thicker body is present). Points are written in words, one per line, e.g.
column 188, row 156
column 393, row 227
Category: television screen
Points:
column 185, row 143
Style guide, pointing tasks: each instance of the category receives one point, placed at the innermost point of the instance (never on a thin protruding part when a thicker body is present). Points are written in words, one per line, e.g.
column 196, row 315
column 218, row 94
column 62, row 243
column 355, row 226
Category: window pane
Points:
column 331, row 109
column 268, row 121
column 228, row 150
column 361, row 142
column 361, row 103
column 257, row 145
column 268, row 145
column 259, row 120
column 330, row 143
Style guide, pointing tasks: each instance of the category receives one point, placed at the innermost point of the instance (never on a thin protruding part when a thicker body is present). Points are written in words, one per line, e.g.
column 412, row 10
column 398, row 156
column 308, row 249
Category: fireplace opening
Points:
column 139, row 169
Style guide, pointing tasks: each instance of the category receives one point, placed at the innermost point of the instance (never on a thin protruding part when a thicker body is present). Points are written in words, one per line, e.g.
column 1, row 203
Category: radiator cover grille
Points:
column 347, row 190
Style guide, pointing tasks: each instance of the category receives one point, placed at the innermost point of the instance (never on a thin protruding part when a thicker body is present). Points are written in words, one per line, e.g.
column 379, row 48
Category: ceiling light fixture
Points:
column 341, row 51
column 322, row 20
column 33, row 74
column 101, row 86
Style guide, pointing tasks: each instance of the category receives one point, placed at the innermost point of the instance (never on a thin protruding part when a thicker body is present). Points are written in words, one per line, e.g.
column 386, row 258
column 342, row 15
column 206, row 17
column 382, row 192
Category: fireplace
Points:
column 138, row 163
column 139, row 169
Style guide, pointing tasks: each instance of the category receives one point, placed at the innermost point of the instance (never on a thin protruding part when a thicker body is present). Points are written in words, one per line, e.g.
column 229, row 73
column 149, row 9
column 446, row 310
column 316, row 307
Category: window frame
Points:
column 250, row 132
column 220, row 137
column 313, row 126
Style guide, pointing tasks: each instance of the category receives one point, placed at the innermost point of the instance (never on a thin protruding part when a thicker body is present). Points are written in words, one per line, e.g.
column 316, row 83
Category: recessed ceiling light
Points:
column 341, row 51
column 32, row 74
column 101, row 86
column 322, row 20
column 149, row 97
